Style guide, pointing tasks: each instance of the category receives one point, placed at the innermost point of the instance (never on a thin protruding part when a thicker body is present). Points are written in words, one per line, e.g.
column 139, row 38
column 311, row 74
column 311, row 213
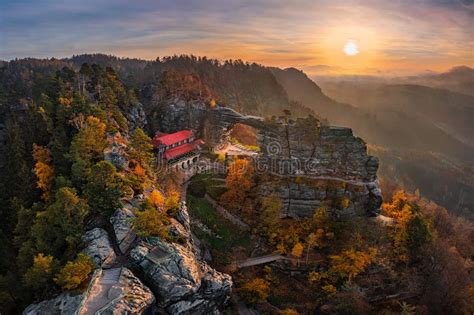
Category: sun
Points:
column 351, row 48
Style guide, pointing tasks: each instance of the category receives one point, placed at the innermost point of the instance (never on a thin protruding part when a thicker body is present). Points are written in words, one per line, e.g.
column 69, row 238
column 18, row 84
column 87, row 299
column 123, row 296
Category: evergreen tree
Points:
column 103, row 188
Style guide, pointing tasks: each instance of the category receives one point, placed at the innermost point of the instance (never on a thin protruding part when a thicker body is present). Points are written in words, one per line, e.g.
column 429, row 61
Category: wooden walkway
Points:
column 261, row 260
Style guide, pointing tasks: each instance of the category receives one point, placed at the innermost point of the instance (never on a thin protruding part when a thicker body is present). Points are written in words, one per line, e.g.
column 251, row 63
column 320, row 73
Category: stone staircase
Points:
column 105, row 289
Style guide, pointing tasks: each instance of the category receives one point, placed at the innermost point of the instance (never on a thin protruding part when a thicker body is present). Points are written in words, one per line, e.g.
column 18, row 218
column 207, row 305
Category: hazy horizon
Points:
column 321, row 38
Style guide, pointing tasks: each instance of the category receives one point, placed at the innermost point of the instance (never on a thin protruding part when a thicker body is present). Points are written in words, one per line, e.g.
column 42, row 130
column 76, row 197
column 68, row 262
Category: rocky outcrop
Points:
column 121, row 222
column 338, row 172
column 178, row 114
column 182, row 283
column 136, row 116
column 124, row 294
column 63, row 304
column 98, row 247
column 116, row 291
column 314, row 166
column 301, row 197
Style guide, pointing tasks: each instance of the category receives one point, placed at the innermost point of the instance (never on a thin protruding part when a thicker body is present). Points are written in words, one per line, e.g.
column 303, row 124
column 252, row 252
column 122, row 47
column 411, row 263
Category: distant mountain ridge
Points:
column 459, row 79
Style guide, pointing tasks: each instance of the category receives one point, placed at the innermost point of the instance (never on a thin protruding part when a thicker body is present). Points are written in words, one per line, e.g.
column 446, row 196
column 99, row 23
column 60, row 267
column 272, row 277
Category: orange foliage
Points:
column 239, row 181
column 255, row 291
column 244, row 134
column 157, row 199
column 43, row 170
column 139, row 171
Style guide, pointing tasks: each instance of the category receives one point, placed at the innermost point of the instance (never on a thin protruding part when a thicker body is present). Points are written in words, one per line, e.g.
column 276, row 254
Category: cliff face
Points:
column 182, row 282
column 313, row 166
column 308, row 165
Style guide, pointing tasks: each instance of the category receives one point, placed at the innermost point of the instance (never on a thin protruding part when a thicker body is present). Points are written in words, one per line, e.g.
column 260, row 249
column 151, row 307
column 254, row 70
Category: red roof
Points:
column 169, row 139
column 182, row 149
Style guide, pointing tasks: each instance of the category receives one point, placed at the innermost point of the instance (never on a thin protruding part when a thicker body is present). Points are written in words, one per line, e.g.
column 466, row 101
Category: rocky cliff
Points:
column 182, row 283
column 309, row 165
column 170, row 274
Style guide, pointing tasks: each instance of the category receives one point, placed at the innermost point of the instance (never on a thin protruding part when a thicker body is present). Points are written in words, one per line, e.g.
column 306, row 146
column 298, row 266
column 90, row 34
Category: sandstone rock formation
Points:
column 337, row 171
column 98, row 246
column 124, row 295
column 182, row 283
column 63, row 304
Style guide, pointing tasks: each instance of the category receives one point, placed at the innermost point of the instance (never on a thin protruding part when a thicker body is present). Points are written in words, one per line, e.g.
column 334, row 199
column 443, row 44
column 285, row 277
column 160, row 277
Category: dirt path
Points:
column 226, row 214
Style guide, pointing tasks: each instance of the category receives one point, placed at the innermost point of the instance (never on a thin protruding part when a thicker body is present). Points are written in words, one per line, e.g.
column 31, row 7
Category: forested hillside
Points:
column 56, row 126
column 75, row 144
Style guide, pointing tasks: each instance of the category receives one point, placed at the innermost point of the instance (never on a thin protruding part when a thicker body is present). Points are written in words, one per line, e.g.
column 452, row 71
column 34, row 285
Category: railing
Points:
column 110, row 303
column 95, row 276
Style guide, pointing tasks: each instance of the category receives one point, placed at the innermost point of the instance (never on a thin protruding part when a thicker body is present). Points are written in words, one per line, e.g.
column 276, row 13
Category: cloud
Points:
column 298, row 33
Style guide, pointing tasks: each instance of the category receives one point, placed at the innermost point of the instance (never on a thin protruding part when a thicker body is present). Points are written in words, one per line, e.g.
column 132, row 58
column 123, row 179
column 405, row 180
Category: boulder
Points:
column 131, row 296
column 63, row 304
column 122, row 223
column 98, row 247
column 182, row 283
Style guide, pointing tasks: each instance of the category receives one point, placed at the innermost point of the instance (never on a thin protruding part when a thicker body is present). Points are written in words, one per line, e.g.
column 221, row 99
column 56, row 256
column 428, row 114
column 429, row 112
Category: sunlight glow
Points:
column 351, row 48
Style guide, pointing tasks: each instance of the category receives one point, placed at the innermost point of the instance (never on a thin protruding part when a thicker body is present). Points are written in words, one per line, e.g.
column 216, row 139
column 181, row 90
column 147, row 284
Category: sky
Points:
column 395, row 37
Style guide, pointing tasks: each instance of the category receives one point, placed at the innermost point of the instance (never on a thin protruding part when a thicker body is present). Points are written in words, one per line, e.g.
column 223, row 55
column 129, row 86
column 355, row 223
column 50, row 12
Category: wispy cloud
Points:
column 303, row 33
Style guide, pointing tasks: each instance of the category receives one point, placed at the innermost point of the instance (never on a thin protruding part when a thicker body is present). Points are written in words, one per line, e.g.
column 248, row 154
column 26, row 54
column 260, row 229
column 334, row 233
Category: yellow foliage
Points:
column 43, row 170
column 315, row 276
column 172, row 201
column 212, row 103
column 255, row 291
column 221, row 157
column 329, row 289
column 351, row 262
column 297, row 250
column 239, row 180
column 150, row 223
column 281, row 248
column 41, row 272
column 64, row 101
column 45, row 175
column 157, row 199
column 75, row 273
column 288, row 311
column 139, row 171
column 345, row 203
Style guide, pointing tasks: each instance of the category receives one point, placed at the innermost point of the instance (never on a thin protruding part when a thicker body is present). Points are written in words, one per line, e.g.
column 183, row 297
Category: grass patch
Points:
column 215, row 186
column 225, row 235
column 216, row 191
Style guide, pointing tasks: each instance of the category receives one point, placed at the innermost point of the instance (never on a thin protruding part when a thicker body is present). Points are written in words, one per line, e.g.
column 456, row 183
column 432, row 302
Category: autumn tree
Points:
column 140, row 148
column 75, row 273
column 173, row 197
column 40, row 276
column 90, row 142
column 157, row 199
column 270, row 215
column 349, row 263
column 313, row 239
column 297, row 251
column 87, row 148
column 239, row 180
column 255, row 291
column 151, row 222
column 44, row 170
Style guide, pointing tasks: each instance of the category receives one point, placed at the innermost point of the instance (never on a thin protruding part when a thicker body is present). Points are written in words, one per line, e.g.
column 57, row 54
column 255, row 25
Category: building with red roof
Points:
column 179, row 149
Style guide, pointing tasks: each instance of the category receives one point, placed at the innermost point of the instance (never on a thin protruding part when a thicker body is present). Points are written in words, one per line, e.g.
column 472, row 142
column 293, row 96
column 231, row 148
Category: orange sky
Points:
column 397, row 37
